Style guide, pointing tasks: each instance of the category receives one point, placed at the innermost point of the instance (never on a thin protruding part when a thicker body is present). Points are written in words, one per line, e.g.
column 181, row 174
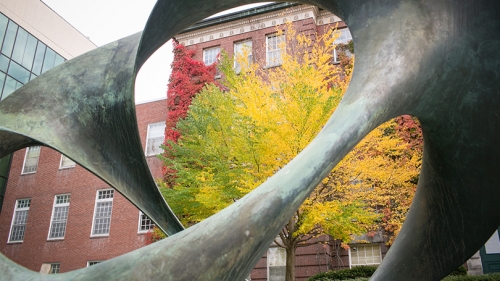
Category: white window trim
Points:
column 208, row 49
column 140, row 224
column 12, row 221
column 65, row 167
column 268, row 260
column 357, row 245
column 147, row 138
column 52, row 216
column 268, row 65
column 97, row 261
column 95, row 206
column 247, row 42
column 24, row 162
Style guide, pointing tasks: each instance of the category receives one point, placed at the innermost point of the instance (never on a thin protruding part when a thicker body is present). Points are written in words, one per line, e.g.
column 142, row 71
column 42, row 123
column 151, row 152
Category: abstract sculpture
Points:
column 438, row 60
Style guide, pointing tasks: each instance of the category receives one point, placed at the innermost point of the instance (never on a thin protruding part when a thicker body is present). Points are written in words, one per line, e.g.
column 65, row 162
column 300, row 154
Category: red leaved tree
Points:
column 188, row 77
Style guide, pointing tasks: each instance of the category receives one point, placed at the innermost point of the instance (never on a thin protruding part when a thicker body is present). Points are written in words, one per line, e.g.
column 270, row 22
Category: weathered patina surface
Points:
column 438, row 60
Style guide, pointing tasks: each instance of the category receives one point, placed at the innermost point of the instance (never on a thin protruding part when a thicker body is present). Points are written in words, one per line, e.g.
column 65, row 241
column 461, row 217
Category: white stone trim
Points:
column 257, row 22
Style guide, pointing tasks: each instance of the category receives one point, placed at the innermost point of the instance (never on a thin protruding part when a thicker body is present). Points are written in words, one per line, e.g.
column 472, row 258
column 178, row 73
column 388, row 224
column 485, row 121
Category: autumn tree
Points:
column 188, row 77
column 233, row 140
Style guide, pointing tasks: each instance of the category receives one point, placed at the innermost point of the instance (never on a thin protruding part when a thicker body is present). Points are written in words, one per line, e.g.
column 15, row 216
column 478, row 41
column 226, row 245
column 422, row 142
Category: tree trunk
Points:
column 290, row 263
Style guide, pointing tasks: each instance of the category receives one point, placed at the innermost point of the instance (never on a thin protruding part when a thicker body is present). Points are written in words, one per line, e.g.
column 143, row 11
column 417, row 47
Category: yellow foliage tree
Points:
column 234, row 139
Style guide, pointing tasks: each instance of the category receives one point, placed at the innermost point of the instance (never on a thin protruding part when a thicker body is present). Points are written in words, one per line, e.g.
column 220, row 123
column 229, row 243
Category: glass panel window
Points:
column 344, row 36
column 59, row 217
column 19, row 220
column 365, row 254
column 2, row 80
column 39, row 57
column 4, row 63
column 58, row 60
column 102, row 213
column 492, row 246
column 3, row 26
column 19, row 73
column 210, row 55
column 48, row 62
column 145, row 223
column 276, row 264
column 91, row 263
column 273, row 50
column 156, row 137
column 55, row 268
column 20, row 45
column 10, row 37
column 11, row 85
column 66, row 162
column 29, row 52
column 31, row 159
column 242, row 51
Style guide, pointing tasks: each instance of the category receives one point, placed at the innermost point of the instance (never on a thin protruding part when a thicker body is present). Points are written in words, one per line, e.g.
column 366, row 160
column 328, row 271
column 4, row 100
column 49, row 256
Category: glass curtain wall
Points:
column 22, row 58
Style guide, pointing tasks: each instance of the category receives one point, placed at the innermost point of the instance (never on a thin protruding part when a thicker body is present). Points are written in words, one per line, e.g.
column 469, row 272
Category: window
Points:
column 66, row 162
column 50, row 268
column 155, row 138
column 102, row 212
column 274, row 48
column 276, row 264
column 365, row 254
column 242, row 49
column 54, row 268
column 19, row 219
column 59, row 217
column 344, row 38
column 145, row 223
column 91, row 263
column 31, row 159
column 210, row 55
column 492, row 246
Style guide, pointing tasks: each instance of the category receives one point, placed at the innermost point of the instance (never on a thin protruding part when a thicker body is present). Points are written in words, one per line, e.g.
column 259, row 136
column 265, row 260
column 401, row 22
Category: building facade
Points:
column 55, row 216
column 256, row 30
column 33, row 39
column 59, row 217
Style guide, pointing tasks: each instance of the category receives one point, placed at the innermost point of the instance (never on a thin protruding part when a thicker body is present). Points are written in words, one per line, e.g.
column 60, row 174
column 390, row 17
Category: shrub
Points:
column 345, row 274
column 488, row 277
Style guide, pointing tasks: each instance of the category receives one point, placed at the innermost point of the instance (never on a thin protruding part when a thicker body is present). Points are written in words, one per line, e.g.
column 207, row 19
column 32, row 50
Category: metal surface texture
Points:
column 435, row 59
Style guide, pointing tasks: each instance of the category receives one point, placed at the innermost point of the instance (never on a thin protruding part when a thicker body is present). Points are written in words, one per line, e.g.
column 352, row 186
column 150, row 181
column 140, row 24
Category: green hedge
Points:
column 363, row 273
column 345, row 274
column 488, row 277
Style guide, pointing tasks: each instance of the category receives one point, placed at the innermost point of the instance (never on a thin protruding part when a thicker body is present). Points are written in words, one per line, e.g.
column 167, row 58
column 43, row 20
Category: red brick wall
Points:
column 258, row 40
column 148, row 113
column 77, row 247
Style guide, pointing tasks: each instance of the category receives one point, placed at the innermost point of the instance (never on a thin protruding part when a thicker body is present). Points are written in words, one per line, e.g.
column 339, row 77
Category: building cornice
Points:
column 253, row 22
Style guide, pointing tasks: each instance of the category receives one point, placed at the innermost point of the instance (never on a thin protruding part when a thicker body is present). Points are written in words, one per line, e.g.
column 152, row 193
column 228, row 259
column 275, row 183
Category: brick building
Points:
column 256, row 29
column 59, row 217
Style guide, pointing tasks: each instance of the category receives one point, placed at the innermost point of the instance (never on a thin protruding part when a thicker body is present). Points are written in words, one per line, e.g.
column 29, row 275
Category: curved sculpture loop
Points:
column 435, row 59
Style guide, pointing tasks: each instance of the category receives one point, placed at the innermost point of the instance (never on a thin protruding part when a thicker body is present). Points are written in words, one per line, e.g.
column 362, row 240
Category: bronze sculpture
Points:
column 434, row 59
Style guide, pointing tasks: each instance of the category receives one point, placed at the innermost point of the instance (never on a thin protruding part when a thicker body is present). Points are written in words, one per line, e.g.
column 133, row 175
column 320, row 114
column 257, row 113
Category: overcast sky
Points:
column 105, row 21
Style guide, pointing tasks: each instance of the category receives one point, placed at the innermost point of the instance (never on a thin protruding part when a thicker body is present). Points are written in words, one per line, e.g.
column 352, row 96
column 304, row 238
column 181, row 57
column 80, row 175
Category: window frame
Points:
column 53, row 266
column 61, row 167
column 205, row 50
column 152, row 224
column 339, row 40
column 148, row 134
column 268, row 261
column 236, row 66
column 282, row 39
column 16, row 209
column 54, row 205
column 351, row 265
column 25, row 157
column 93, row 261
column 97, row 200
